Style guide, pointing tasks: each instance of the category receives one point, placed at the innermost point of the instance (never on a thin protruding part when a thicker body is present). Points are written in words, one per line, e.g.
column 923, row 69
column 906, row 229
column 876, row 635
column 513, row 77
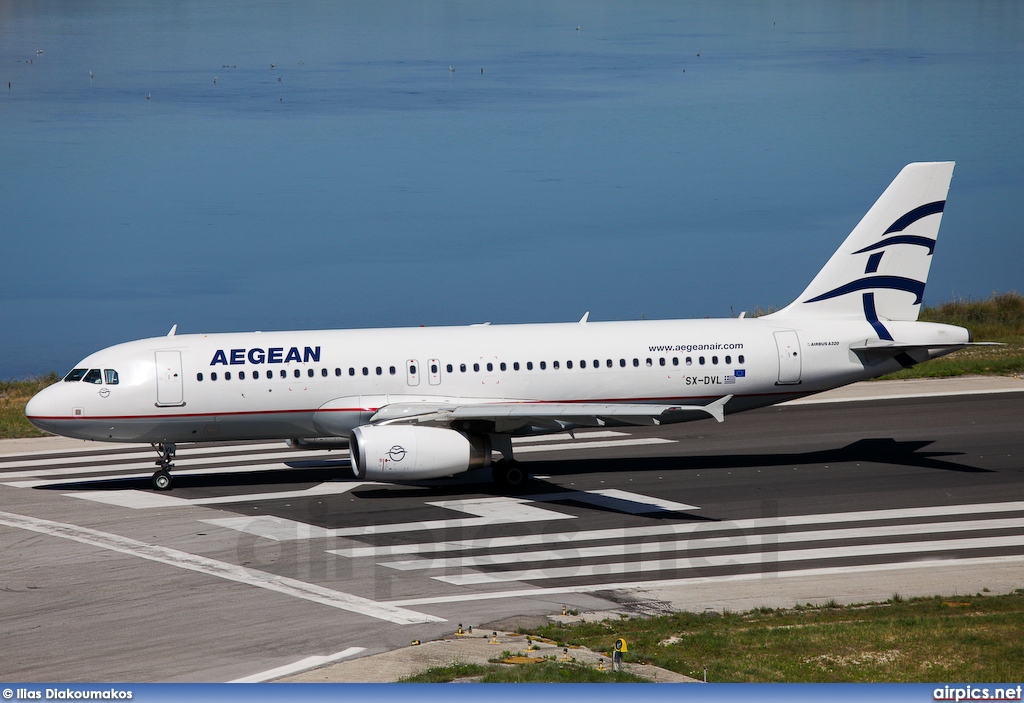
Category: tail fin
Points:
column 880, row 271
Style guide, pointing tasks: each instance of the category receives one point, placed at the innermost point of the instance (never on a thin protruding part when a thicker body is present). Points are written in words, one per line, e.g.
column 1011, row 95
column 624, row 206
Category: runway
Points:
column 263, row 557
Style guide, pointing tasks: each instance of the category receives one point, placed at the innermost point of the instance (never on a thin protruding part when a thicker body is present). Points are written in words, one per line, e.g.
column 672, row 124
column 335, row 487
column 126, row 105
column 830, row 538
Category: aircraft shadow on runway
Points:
column 311, row 472
column 876, row 451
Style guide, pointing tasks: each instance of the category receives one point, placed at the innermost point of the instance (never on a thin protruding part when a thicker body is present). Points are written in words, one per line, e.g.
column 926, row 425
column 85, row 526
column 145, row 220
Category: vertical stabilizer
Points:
column 880, row 271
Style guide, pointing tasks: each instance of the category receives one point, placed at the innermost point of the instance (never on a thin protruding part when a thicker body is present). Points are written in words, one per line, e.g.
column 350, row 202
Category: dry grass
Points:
column 902, row 640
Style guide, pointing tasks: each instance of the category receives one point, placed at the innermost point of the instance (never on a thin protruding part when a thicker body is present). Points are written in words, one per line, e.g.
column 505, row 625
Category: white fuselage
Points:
column 309, row 384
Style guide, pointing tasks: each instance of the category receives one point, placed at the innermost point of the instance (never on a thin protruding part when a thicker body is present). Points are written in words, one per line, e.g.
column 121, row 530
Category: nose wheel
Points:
column 162, row 476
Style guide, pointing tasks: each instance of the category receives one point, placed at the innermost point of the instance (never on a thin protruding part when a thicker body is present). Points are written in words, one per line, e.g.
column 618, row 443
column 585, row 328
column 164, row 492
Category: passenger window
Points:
column 675, row 361
column 449, row 367
column 255, row 375
column 366, row 371
column 689, row 361
column 636, row 362
column 412, row 370
column 227, row 375
column 502, row 366
column 529, row 366
column 380, row 371
column 351, row 371
column 323, row 372
column 199, row 377
column 583, row 363
column 650, row 363
column 609, row 363
column 515, row 365
column 543, row 365
column 462, row 368
column 740, row 358
column 476, row 367
column 661, row 361
column 110, row 376
column 310, row 373
column 714, row 360
column 213, row 376
column 568, row 364
column 490, row 366
column 391, row 370
column 701, row 360
column 597, row 363
column 337, row 372
column 284, row 374
column 297, row 373
column 728, row 359
column 76, row 375
column 94, row 376
column 554, row 364
column 622, row 363
column 241, row 375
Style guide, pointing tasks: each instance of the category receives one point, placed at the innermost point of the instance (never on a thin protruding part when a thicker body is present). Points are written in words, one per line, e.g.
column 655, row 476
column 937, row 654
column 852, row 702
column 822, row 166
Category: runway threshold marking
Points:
column 724, row 527
column 546, row 591
column 141, row 500
column 695, row 542
column 732, row 559
column 41, row 476
column 299, row 666
column 220, row 569
column 487, row 511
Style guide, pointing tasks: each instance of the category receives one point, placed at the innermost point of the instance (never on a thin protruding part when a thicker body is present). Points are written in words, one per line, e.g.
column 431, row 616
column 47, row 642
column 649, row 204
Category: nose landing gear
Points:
column 162, row 476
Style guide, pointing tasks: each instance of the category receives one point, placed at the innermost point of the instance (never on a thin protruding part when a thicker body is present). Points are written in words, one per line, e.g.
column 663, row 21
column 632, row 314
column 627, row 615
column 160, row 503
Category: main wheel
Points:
column 162, row 480
column 509, row 475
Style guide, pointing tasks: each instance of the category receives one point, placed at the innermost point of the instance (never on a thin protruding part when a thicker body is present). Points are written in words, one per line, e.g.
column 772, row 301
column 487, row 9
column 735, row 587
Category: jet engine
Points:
column 411, row 452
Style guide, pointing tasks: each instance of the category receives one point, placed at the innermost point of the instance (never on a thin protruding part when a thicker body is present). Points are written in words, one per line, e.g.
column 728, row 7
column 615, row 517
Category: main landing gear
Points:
column 510, row 475
column 162, row 476
column 507, row 473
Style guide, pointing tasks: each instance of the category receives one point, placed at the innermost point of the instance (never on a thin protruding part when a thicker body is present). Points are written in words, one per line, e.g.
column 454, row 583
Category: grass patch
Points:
column 14, row 395
column 902, row 640
column 999, row 318
column 545, row 672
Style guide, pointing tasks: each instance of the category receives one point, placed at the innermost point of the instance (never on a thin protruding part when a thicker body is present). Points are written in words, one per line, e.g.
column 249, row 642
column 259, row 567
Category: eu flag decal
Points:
column 740, row 373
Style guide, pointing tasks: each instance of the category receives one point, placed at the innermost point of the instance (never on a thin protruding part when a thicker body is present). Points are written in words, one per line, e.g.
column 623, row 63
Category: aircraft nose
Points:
column 40, row 408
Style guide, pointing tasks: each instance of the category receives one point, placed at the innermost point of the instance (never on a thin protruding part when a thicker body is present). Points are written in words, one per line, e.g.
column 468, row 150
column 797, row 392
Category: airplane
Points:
column 423, row 403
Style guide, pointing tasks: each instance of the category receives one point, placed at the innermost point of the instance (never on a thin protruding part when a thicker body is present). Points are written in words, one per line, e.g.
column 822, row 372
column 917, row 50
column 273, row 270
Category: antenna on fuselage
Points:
column 173, row 330
column 586, row 315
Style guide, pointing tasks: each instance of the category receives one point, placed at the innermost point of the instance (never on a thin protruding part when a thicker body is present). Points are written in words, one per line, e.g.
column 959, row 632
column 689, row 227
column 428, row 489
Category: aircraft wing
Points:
column 508, row 416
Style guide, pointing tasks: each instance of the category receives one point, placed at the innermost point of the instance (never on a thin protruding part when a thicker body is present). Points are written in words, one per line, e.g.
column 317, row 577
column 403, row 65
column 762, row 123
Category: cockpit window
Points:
column 76, row 375
column 110, row 376
column 94, row 376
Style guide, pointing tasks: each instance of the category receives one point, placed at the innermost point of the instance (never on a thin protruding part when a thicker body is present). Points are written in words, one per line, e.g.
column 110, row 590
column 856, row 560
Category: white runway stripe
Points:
column 488, row 511
column 111, row 452
column 701, row 543
column 179, row 463
column 216, row 471
column 548, row 591
column 719, row 560
column 605, row 444
column 562, row 538
column 220, row 569
column 299, row 666
column 140, row 500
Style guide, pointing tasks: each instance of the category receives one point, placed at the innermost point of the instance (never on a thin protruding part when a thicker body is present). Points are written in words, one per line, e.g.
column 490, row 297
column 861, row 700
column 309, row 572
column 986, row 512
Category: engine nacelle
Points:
column 412, row 452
